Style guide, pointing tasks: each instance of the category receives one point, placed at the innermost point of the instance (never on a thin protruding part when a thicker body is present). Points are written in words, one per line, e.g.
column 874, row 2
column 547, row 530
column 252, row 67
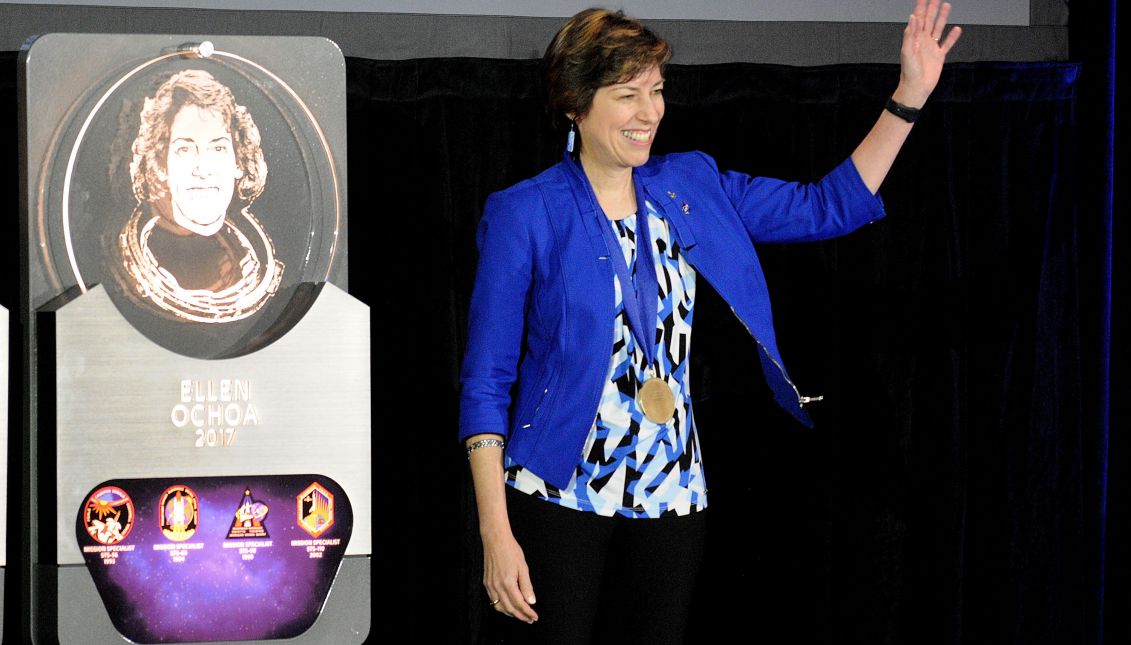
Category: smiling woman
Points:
column 576, row 409
column 617, row 133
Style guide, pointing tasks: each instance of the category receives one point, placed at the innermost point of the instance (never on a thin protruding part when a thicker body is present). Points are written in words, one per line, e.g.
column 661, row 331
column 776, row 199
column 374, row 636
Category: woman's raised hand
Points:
column 924, row 51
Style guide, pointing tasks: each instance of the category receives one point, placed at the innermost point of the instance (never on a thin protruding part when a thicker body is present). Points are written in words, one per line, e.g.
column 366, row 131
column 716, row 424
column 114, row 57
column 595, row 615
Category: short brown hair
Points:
column 595, row 48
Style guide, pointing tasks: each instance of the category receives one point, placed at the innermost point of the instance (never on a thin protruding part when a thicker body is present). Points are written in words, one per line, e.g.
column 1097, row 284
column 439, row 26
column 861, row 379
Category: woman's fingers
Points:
column 525, row 588
column 951, row 38
column 507, row 580
column 514, row 603
column 931, row 19
column 920, row 11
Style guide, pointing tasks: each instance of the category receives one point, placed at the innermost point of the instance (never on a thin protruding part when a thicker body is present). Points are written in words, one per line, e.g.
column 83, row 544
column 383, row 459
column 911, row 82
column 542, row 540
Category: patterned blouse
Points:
column 631, row 466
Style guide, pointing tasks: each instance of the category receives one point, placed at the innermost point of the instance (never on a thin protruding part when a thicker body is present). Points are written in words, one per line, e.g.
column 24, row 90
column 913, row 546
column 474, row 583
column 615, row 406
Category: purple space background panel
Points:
column 214, row 558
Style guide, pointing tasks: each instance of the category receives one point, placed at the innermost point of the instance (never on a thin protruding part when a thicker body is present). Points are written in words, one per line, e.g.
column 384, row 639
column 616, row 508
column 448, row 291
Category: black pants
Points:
column 604, row 579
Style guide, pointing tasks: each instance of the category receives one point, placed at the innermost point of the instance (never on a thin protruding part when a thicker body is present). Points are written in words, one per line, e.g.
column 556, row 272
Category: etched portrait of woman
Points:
column 192, row 248
column 153, row 185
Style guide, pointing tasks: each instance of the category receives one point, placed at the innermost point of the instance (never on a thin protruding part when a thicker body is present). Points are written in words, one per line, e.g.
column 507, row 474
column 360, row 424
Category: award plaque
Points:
column 201, row 385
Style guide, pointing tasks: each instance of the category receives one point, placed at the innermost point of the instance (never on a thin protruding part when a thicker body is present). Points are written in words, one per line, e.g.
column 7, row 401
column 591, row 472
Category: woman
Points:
column 575, row 407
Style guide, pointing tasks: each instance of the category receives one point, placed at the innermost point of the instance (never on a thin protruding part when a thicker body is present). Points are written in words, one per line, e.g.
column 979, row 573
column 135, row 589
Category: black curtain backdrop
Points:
column 952, row 491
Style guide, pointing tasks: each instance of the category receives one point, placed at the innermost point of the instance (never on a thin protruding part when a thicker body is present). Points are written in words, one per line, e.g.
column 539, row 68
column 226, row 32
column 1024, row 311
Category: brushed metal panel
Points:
column 117, row 391
column 344, row 619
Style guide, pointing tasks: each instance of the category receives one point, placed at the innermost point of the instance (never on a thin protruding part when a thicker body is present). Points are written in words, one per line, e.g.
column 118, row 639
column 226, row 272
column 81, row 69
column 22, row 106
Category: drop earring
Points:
column 571, row 136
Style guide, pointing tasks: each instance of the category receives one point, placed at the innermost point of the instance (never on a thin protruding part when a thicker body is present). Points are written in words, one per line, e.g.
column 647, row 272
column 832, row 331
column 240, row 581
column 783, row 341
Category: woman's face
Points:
column 618, row 130
column 201, row 168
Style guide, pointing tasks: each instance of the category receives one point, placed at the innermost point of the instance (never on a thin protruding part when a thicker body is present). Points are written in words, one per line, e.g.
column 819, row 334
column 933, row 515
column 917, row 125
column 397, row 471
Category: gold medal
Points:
column 656, row 400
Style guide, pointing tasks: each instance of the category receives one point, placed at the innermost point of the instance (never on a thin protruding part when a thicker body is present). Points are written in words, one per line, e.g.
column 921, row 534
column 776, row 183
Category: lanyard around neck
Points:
column 640, row 300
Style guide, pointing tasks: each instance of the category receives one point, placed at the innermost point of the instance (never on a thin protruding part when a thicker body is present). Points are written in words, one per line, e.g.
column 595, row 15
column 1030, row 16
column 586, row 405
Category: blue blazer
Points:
column 542, row 310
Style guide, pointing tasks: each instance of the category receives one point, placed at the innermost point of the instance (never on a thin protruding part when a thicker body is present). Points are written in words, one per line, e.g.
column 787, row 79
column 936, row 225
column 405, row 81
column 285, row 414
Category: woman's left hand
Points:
column 924, row 51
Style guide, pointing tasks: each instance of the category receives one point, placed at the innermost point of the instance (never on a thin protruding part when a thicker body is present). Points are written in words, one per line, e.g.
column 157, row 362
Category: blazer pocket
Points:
column 533, row 412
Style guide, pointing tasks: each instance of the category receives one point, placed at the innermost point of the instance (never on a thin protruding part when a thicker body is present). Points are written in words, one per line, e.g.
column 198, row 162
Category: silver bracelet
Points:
column 483, row 443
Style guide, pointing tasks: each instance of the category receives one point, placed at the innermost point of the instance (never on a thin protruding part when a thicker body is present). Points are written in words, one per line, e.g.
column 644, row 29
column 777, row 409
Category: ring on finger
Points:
column 495, row 601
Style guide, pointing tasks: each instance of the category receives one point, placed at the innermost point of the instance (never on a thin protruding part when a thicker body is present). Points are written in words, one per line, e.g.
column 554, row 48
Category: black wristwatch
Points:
column 908, row 114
